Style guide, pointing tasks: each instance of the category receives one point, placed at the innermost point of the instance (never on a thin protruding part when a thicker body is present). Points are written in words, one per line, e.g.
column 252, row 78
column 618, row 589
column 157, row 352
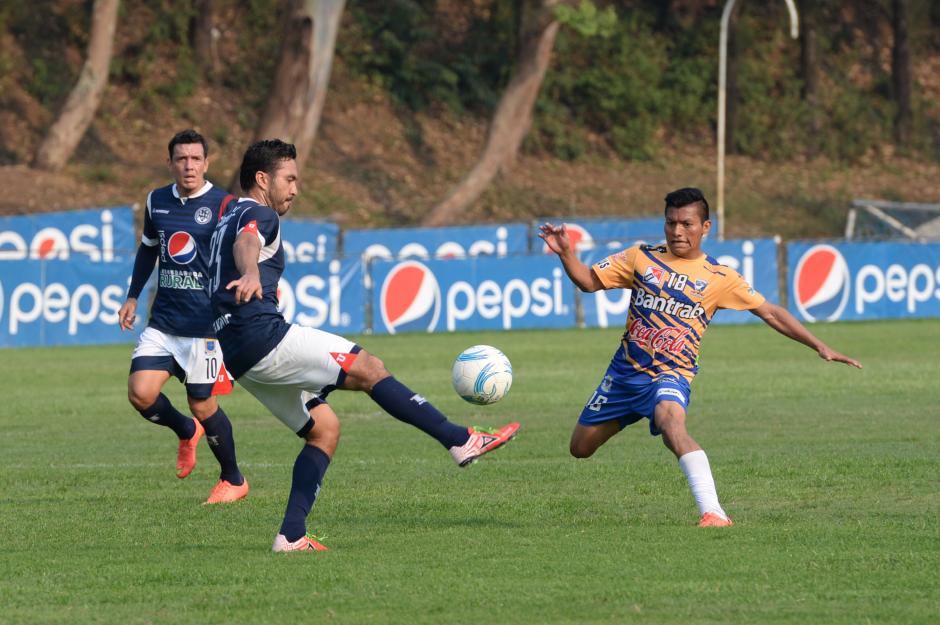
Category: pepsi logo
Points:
column 821, row 284
column 182, row 248
column 410, row 298
column 581, row 240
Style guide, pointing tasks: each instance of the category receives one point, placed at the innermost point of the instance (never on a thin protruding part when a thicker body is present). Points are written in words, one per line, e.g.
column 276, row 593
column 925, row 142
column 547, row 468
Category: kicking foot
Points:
column 482, row 441
column 711, row 519
column 304, row 543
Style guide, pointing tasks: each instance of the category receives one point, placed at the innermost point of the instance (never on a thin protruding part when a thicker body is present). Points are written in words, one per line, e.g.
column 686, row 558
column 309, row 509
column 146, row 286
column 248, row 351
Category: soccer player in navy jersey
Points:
column 179, row 339
column 290, row 368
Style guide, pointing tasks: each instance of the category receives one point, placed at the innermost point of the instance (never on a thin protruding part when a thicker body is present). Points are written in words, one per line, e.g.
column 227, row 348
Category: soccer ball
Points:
column 482, row 374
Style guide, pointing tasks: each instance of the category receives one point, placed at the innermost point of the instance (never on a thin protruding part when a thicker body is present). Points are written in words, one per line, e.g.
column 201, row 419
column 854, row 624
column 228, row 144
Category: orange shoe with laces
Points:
column 186, row 453
column 710, row 519
column 226, row 492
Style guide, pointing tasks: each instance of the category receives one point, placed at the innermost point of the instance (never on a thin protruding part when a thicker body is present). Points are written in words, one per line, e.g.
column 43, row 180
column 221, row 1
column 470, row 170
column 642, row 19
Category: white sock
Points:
column 699, row 475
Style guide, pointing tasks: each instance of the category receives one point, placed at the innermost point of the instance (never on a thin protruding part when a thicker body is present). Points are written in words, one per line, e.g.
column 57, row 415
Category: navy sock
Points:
column 309, row 468
column 222, row 443
column 163, row 413
column 405, row 405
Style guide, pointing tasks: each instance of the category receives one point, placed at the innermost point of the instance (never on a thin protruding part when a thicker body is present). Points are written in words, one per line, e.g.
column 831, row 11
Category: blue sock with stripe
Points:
column 163, row 413
column 405, row 405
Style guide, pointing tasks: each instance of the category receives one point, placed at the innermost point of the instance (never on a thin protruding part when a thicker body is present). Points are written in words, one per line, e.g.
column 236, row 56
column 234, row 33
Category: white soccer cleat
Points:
column 304, row 543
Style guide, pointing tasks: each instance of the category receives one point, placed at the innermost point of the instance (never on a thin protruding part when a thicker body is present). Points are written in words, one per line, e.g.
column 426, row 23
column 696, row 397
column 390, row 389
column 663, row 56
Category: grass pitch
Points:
column 831, row 475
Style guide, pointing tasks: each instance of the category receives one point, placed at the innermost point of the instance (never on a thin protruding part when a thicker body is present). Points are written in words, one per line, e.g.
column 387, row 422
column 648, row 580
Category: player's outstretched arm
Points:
column 786, row 324
column 556, row 238
column 246, row 251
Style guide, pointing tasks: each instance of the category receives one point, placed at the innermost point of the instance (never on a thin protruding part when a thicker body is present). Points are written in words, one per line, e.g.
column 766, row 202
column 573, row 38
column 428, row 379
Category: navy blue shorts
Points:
column 629, row 400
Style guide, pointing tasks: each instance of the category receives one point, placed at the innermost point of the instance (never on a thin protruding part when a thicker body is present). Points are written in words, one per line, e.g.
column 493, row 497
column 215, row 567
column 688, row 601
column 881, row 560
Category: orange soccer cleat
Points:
column 711, row 519
column 482, row 441
column 186, row 453
column 226, row 492
column 304, row 543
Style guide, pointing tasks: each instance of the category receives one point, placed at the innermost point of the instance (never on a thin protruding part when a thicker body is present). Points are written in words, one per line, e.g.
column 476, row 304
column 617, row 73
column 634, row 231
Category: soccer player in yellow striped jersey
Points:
column 677, row 289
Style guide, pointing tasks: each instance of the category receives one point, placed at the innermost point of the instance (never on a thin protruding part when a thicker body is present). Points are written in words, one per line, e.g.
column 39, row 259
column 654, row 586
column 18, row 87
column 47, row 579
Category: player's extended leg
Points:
column 309, row 468
column 586, row 439
column 218, row 429
column 143, row 391
column 368, row 373
column 669, row 418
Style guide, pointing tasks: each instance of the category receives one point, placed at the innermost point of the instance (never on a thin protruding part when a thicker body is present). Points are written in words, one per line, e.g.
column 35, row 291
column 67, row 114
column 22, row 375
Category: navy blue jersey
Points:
column 249, row 331
column 183, row 228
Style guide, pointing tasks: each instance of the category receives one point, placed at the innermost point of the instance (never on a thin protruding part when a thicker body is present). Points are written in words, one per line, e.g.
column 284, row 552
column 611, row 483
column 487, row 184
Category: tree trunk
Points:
column 303, row 73
column 809, row 70
column 513, row 116
column 901, row 71
column 731, row 81
column 83, row 101
column 205, row 38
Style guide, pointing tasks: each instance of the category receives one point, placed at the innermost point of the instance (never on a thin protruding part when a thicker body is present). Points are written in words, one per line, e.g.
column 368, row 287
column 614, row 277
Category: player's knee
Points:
column 325, row 432
column 141, row 398
column 366, row 372
column 581, row 449
column 204, row 408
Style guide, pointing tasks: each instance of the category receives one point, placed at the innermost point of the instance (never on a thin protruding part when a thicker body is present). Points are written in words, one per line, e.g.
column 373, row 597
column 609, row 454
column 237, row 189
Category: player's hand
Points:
column 128, row 314
column 247, row 287
column 556, row 237
column 831, row 355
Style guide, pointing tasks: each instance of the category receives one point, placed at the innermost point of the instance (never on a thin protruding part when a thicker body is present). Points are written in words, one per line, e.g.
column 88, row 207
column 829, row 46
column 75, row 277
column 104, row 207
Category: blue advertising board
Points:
column 327, row 295
column 449, row 242
column 755, row 259
column 478, row 293
column 98, row 234
column 829, row 281
column 308, row 241
column 607, row 235
column 64, row 303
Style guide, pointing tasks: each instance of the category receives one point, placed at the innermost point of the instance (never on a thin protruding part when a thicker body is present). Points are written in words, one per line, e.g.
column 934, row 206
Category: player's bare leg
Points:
column 321, row 441
column 368, row 373
column 586, row 439
column 143, row 391
column 670, row 419
column 232, row 485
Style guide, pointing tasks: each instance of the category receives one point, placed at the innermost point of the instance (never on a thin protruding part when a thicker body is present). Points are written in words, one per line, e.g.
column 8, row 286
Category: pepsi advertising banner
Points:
column 426, row 243
column 472, row 294
column 326, row 295
column 64, row 303
column 604, row 235
column 307, row 241
column 755, row 259
column 100, row 235
column 833, row 280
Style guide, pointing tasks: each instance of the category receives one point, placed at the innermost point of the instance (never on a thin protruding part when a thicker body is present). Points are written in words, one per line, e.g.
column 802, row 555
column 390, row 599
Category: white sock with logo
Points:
column 699, row 475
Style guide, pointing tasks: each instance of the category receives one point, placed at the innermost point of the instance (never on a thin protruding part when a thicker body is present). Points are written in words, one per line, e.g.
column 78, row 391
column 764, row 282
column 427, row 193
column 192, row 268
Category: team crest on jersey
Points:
column 210, row 345
column 654, row 275
column 182, row 248
column 698, row 287
column 203, row 215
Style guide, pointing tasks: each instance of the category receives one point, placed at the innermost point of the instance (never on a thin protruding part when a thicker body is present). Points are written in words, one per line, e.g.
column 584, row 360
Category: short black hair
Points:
column 188, row 136
column 263, row 156
column 684, row 197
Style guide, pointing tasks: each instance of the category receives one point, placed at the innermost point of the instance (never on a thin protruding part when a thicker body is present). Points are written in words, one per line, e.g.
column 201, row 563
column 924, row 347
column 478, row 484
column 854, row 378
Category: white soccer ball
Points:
column 482, row 374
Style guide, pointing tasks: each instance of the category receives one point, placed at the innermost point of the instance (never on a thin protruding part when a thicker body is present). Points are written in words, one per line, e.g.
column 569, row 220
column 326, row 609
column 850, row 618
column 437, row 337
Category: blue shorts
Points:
column 630, row 399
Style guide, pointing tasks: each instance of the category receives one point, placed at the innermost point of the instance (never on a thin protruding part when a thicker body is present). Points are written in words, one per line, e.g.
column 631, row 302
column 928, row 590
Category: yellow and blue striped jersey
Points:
column 672, row 303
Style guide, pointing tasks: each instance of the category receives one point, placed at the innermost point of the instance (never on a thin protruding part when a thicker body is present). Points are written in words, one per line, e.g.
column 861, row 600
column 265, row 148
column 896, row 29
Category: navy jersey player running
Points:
column 179, row 339
column 290, row 368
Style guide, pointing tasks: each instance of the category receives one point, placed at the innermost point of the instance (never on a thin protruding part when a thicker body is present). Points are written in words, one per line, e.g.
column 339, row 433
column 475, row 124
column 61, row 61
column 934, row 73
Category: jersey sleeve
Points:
column 739, row 295
column 149, row 235
column 616, row 271
column 261, row 220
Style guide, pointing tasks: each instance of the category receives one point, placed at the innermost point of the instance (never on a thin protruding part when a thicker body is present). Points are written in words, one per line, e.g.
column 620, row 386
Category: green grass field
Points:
column 831, row 474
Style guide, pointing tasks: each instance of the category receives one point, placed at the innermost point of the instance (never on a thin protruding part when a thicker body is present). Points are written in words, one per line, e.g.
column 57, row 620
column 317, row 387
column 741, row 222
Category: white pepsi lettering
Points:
column 745, row 266
column 286, row 302
column 913, row 286
column 321, row 247
column 305, row 298
column 52, row 243
column 413, row 250
column 55, row 304
column 450, row 249
column 336, row 294
column 514, row 300
column 307, row 304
